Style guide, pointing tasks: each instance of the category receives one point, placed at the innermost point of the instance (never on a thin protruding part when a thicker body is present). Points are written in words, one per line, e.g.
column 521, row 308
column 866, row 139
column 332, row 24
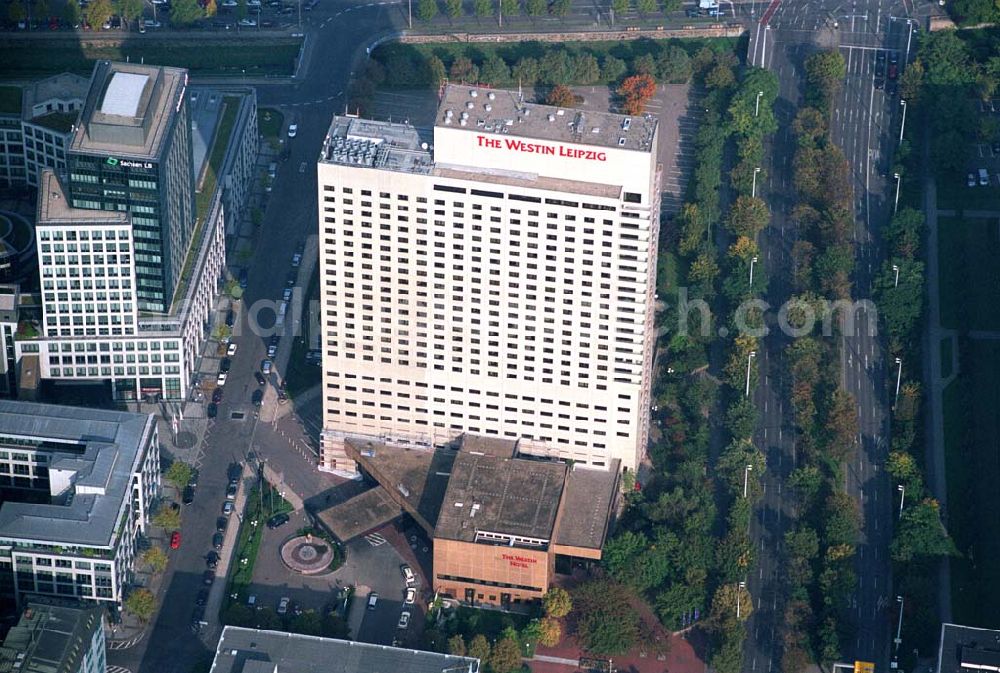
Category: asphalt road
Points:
column 865, row 124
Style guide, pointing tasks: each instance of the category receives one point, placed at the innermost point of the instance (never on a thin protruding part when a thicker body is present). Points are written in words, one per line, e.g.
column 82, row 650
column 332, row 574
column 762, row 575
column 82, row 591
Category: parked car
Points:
column 283, row 605
column 225, row 365
column 227, row 508
column 408, row 573
column 230, row 3
column 213, row 410
column 212, row 559
column 248, row 23
column 230, row 318
column 411, row 596
column 175, row 540
column 193, row 479
column 150, row 23
column 222, row 378
column 272, row 350
column 231, row 491
column 244, row 278
column 231, row 351
column 277, row 521
column 404, row 619
column 217, row 394
column 265, row 367
column 260, row 378
column 971, row 180
column 296, row 260
column 291, row 278
column 202, row 597
column 221, row 523
column 984, row 177
column 257, row 398
column 217, row 540
column 996, row 148
column 293, row 130
column 188, row 495
column 208, row 577
column 372, row 600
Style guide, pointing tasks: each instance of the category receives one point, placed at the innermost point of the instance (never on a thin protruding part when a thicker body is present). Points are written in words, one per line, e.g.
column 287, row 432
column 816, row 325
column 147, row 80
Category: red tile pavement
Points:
column 679, row 658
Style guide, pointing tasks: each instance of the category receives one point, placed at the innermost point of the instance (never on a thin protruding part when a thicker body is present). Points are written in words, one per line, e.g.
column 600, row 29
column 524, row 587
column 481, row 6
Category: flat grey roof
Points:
column 124, row 93
column 966, row 648
column 64, row 86
column 54, row 206
column 129, row 109
column 360, row 514
column 587, row 506
column 206, row 111
column 243, row 650
column 510, row 496
column 504, row 112
column 104, row 448
column 51, row 637
column 376, row 144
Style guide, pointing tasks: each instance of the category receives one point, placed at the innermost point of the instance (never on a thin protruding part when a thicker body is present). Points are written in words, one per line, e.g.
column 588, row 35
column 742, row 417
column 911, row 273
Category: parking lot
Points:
column 372, row 564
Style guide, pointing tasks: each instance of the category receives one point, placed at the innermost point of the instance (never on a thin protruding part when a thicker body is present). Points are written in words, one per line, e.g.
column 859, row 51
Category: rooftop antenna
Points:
column 520, row 94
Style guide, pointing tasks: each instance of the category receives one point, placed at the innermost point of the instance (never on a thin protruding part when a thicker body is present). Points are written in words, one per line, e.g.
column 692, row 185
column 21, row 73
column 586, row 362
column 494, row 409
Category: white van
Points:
column 372, row 600
column 984, row 177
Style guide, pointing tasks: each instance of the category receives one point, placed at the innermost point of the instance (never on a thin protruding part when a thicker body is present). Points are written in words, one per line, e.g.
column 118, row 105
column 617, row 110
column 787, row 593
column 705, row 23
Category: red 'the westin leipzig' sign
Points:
column 538, row 148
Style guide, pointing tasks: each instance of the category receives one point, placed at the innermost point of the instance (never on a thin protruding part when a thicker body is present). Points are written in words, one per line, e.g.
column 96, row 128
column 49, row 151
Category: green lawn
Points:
column 260, row 506
column 972, row 465
column 947, row 344
column 10, row 99
column 202, row 57
column 953, row 193
column 57, row 121
column 968, row 249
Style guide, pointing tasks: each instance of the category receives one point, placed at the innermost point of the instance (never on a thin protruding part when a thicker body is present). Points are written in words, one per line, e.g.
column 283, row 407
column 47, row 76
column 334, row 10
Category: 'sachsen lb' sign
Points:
column 518, row 561
column 515, row 145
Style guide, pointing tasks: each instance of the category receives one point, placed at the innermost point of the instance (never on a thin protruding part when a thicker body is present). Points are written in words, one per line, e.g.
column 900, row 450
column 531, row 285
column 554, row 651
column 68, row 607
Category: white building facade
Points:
column 498, row 280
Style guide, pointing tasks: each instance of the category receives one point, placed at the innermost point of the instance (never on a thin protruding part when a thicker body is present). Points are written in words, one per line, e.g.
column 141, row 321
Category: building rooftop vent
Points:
column 491, row 96
column 473, row 93
column 551, row 118
column 123, row 94
column 488, row 107
column 560, row 112
column 470, row 105
column 449, row 114
column 621, row 141
column 596, row 129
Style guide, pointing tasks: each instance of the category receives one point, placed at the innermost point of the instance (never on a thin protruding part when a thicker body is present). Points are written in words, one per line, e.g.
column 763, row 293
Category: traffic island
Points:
column 308, row 555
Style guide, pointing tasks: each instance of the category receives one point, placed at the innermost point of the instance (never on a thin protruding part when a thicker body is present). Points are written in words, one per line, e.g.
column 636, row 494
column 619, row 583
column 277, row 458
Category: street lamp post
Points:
column 895, row 268
column 753, row 260
column 902, row 496
column 899, row 626
column 750, row 357
column 753, row 189
column 899, row 378
column 746, row 478
column 739, row 594
column 903, row 123
column 895, row 205
column 756, row 110
column 409, row 13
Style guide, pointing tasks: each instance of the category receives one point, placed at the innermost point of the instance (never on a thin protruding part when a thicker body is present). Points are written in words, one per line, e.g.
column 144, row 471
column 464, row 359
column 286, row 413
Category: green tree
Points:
column 549, row 632
column 647, row 6
column 525, row 71
column 644, row 65
column 748, row 216
column 453, row 8
column 673, row 64
column 495, row 71
column 179, row 474
column 510, row 7
column 900, row 303
column 98, row 12
column 606, row 623
column 843, row 519
column 156, row 559
column 483, row 8
column 334, row 626
column 427, row 9
column 141, row 603
column 168, row 518
column 921, row 533
column 309, row 623
column 560, row 7
column 241, row 9
column 72, row 14
column 555, row 67
column 506, row 656
column 456, row 645
column 613, row 69
column 464, row 70
column 560, row 96
column 16, row 11
column 557, row 603
column 211, row 9
column 41, row 9
column 268, row 620
column 585, row 69
column 905, row 232
column 479, row 648
column 620, row 6
column 825, row 72
column 536, row 7
column 741, row 418
column 238, row 614
column 130, row 10
column 435, row 70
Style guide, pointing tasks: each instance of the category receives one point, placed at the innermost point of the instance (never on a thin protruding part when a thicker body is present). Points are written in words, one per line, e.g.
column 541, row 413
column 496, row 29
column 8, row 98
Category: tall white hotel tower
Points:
column 495, row 280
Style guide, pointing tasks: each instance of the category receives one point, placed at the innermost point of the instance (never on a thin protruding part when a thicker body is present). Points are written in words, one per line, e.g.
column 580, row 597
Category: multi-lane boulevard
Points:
column 865, row 125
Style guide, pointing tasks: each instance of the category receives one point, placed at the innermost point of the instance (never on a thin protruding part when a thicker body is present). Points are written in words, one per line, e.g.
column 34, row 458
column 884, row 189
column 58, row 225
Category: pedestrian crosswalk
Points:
column 375, row 540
